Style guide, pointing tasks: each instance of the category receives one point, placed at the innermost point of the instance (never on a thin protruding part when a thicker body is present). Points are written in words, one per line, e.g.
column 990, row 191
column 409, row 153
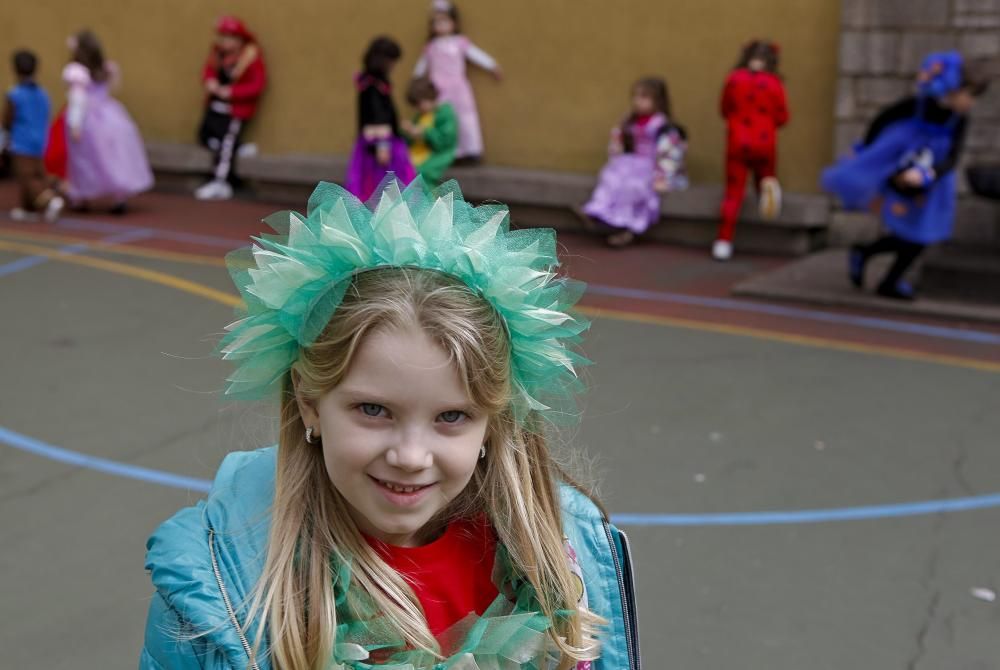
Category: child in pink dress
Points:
column 106, row 155
column 443, row 61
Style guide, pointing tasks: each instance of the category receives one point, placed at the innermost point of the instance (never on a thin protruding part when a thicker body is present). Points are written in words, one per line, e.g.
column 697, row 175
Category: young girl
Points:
column 753, row 105
column 234, row 77
column 379, row 148
column 411, row 515
column 647, row 159
column 106, row 158
column 443, row 60
column 905, row 168
column 433, row 133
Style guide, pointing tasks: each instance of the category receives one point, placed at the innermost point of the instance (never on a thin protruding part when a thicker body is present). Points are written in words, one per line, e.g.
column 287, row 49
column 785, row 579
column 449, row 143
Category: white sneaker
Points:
column 18, row 214
column 770, row 199
column 214, row 190
column 247, row 150
column 54, row 209
column 722, row 250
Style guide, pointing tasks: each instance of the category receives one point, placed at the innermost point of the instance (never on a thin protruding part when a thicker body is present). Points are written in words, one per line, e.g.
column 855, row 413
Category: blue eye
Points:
column 452, row 416
column 371, row 409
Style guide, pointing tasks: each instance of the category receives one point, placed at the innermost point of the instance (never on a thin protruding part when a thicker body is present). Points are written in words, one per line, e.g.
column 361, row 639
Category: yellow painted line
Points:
column 141, row 252
column 231, row 300
column 788, row 338
column 133, row 271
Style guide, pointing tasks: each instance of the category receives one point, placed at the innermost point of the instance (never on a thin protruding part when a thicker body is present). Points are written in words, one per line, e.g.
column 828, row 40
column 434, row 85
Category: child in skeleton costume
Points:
column 234, row 77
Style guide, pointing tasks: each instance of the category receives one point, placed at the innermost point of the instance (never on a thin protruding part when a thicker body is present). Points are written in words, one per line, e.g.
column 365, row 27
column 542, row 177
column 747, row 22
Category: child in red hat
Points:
column 234, row 78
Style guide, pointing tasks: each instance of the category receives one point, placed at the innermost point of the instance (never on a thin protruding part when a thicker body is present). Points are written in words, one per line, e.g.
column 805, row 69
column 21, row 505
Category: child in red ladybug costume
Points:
column 234, row 77
column 753, row 104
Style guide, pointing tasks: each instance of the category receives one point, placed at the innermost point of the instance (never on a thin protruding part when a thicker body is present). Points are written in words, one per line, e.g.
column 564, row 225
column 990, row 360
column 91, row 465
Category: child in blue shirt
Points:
column 26, row 119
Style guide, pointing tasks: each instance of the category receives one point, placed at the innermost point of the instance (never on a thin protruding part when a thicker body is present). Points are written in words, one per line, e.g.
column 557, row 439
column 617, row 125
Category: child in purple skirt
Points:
column 379, row 148
column 647, row 159
column 106, row 156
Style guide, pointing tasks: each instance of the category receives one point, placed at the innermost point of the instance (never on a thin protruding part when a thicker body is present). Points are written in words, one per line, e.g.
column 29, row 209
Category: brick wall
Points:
column 881, row 45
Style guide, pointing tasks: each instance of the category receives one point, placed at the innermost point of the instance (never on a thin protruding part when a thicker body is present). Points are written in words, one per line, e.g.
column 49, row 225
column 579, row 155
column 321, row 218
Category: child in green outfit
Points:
column 433, row 133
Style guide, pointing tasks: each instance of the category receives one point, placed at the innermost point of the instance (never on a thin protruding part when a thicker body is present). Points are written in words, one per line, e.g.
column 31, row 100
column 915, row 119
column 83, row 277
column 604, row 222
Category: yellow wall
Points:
column 568, row 67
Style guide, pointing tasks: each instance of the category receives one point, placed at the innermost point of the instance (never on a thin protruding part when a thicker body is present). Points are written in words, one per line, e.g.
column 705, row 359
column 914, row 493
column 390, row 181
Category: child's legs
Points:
column 764, row 166
column 906, row 254
column 34, row 183
column 225, row 158
column 221, row 134
column 736, row 181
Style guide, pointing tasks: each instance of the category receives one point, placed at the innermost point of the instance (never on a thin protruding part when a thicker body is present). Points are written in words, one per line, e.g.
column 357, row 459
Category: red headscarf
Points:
column 231, row 25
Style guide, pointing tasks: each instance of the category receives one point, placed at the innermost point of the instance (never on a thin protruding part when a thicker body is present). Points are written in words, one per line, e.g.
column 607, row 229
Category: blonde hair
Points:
column 515, row 486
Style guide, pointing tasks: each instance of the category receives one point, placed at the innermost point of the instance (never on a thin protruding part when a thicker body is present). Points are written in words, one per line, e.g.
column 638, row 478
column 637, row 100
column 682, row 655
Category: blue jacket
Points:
column 206, row 559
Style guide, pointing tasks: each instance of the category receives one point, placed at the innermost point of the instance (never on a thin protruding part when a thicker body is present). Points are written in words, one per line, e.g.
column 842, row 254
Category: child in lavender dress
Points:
column 106, row 157
column 443, row 61
column 647, row 159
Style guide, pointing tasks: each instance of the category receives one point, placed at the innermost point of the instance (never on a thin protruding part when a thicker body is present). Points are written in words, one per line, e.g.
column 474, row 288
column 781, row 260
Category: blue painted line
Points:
column 873, row 323
column 31, row 261
column 72, row 249
column 39, row 448
column 33, row 446
column 812, row 515
column 21, row 264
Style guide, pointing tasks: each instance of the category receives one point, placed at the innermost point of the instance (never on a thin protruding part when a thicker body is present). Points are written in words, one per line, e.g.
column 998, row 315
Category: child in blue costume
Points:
column 904, row 168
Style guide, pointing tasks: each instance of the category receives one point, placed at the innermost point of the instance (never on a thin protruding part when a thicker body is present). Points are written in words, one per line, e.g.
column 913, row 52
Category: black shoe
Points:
column 856, row 266
column 118, row 209
column 898, row 291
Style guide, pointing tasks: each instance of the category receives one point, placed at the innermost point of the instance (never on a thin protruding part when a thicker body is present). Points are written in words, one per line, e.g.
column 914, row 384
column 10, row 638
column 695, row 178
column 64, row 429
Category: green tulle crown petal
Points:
column 293, row 282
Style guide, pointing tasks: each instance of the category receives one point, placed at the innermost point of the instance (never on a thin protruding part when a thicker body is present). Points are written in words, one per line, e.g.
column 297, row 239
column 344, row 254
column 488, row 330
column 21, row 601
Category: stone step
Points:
column 977, row 222
column 962, row 273
column 537, row 198
column 821, row 279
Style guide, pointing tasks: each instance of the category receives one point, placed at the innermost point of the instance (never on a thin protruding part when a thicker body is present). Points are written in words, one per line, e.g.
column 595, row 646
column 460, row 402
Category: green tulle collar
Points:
column 510, row 634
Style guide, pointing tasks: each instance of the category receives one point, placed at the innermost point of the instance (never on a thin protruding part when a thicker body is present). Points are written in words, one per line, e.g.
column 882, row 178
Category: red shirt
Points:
column 452, row 576
column 754, row 106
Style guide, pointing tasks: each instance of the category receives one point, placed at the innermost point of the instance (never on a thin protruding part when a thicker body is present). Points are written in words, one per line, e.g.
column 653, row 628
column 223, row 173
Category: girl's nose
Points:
column 410, row 454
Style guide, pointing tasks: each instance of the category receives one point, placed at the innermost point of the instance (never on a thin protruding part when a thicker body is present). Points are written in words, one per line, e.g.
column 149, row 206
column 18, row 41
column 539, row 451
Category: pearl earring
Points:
column 309, row 436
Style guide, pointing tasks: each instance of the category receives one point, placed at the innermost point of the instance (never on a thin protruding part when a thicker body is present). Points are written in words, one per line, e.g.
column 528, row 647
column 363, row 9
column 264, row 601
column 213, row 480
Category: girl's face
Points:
column 425, row 106
column 400, row 434
column 756, row 65
column 442, row 24
column 642, row 102
column 228, row 43
column 961, row 101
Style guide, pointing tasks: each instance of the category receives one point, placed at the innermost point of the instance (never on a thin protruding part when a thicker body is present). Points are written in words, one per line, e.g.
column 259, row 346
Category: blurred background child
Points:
column 443, row 60
column 647, row 159
column 106, row 158
column 379, row 148
column 905, row 168
column 26, row 120
column 433, row 132
column 754, row 107
column 234, row 78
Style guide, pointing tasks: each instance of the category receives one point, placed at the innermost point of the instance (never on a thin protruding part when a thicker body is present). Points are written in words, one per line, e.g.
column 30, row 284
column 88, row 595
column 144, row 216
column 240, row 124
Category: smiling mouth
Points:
column 400, row 488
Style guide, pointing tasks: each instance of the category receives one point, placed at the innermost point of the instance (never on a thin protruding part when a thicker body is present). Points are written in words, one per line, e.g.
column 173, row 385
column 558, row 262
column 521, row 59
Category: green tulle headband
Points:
column 293, row 282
